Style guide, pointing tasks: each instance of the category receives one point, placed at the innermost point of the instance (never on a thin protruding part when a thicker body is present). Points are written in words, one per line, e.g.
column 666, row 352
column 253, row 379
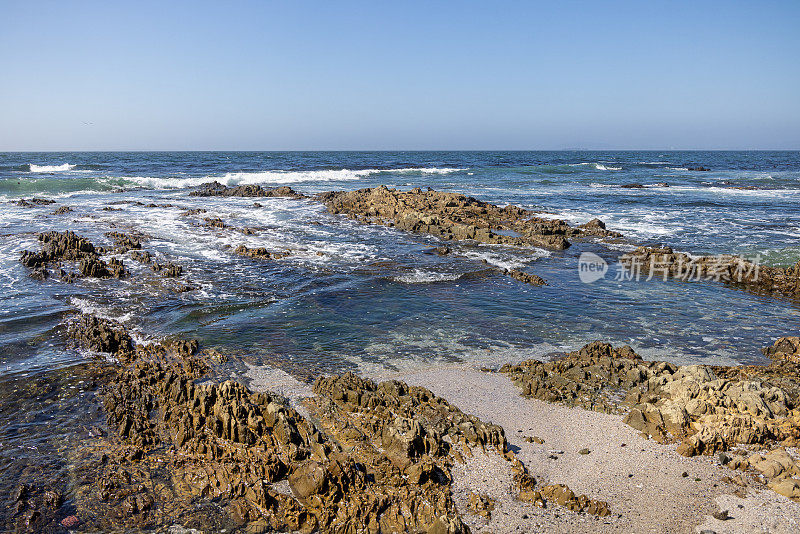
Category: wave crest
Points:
column 280, row 177
column 51, row 168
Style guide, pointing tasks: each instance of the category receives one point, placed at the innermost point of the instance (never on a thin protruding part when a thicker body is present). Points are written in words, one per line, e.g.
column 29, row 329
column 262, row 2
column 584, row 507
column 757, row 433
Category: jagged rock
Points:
column 216, row 189
column 124, row 242
column 167, row 270
column 193, row 211
column 142, row 256
column 67, row 246
column 62, row 210
column 34, row 202
column 377, row 457
column 453, row 216
column 260, row 253
column 480, row 504
column 100, row 335
column 214, row 222
column 707, row 409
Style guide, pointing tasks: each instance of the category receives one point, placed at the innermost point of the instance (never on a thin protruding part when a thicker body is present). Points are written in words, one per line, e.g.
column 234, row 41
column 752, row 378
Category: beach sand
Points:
column 642, row 481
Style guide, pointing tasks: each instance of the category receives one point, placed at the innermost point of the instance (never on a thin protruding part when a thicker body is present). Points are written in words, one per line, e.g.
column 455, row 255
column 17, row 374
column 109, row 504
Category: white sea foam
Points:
column 280, row 177
column 506, row 260
column 51, row 168
column 598, row 166
column 601, row 167
column 92, row 308
column 426, row 277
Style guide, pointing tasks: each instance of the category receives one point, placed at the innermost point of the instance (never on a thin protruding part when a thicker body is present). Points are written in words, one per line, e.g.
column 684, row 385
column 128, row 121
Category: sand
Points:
column 641, row 480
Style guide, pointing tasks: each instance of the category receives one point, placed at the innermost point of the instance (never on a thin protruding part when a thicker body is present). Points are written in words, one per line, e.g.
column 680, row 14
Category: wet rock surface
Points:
column 260, row 253
column 68, row 246
column 34, row 202
column 99, row 335
column 527, row 278
column 453, row 216
column 125, row 242
column 216, row 189
column 707, row 409
column 663, row 262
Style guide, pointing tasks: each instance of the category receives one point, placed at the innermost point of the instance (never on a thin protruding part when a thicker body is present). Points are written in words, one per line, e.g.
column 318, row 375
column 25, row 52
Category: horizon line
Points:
column 411, row 150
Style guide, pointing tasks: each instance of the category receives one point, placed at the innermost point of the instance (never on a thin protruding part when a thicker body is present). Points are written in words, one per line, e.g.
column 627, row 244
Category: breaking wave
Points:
column 281, row 177
column 51, row 168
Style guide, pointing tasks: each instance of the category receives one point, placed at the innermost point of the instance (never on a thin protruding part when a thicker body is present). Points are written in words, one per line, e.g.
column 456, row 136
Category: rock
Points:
column 480, row 504
column 34, row 202
column 531, row 279
column 698, row 168
column 100, row 335
column 167, row 270
column 708, row 409
column 453, row 216
column 67, row 246
column 260, row 253
column 62, row 210
column 216, row 189
column 632, row 186
column 788, row 487
column 214, row 222
column 584, row 451
column 193, row 211
column 594, row 224
column 142, row 256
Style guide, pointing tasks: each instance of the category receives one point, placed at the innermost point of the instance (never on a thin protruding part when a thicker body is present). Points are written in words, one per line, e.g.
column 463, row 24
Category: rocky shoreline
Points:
column 452, row 216
column 373, row 456
column 181, row 446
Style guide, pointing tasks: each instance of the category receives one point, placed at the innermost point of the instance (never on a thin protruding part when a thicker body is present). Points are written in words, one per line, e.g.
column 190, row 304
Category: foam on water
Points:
column 51, row 168
column 420, row 276
column 92, row 308
column 281, row 177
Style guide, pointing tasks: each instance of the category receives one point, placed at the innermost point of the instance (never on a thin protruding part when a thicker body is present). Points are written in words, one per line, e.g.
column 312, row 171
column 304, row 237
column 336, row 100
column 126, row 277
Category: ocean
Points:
column 368, row 298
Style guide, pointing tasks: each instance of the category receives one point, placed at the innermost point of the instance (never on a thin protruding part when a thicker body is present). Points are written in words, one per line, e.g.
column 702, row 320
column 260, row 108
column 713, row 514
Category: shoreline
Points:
column 595, row 440
column 632, row 477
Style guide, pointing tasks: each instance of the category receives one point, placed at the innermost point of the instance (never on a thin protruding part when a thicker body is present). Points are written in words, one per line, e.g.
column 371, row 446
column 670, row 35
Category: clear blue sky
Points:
column 375, row 75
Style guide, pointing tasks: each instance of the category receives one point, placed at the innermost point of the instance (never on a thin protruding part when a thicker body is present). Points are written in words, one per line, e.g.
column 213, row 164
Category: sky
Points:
column 434, row 75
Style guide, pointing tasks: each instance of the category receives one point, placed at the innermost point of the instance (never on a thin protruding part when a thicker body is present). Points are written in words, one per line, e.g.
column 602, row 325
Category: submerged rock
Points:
column 453, row 216
column 522, row 276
